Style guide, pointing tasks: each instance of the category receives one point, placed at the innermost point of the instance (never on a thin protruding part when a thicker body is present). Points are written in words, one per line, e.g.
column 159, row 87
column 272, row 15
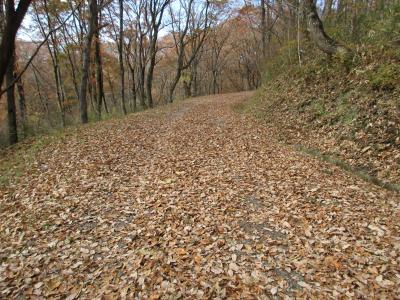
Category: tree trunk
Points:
column 214, row 81
column 121, row 54
column 93, row 88
column 175, row 82
column 11, row 109
column 86, row 62
column 141, row 80
column 155, row 15
column 43, row 101
column 57, row 76
column 141, row 71
column 132, row 69
column 14, row 19
column 73, row 73
column 99, row 68
column 99, row 75
column 187, row 89
column 112, row 89
column 263, row 29
column 2, row 18
column 318, row 35
column 22, row 103
column 150, row 71
column 195, row 82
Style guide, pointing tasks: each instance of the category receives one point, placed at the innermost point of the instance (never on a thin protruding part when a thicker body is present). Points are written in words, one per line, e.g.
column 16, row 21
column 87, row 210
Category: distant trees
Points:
column 46, row 18
column 116, row 57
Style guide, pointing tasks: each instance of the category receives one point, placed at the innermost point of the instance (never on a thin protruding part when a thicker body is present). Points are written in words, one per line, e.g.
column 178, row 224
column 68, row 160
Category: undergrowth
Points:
column 15, row 159
column 352, row 110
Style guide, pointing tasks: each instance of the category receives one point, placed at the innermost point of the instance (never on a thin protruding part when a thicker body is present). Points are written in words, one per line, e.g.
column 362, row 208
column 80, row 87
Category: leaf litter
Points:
column 193, row 201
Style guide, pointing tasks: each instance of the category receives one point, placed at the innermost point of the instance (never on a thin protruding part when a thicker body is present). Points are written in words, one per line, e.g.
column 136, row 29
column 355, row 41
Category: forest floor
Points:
column 193, row 201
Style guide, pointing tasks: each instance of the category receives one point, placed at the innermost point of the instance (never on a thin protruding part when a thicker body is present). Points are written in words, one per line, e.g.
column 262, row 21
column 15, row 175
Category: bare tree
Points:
column 154, row 15
column 189, row 27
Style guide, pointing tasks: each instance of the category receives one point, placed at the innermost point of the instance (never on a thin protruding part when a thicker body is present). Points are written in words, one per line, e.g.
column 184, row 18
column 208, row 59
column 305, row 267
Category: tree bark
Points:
column 112, row 89
column 318, row 35
column 14, row 19
column 22, row 104
column 99, row 69
column 43, row 100
column 263, row 29
column 141, row 77
column 187, row 86
column 11, row 108
column 86, row 62
column 93, row 87
column 141, row 66
column 175, row 81
column 194, row 77
column 121, row 54
column 150, row 71
column 133, row 87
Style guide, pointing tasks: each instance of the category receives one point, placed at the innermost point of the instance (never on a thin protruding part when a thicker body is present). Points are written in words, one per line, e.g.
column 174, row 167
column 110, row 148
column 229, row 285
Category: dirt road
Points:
column 193, row 201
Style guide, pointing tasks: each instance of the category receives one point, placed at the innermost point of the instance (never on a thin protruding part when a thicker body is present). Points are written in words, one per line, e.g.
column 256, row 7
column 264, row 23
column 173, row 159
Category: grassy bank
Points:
column 350, row 111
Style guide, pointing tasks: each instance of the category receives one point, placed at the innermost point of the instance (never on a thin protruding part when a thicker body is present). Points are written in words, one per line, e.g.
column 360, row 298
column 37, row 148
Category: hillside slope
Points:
column 351, row 117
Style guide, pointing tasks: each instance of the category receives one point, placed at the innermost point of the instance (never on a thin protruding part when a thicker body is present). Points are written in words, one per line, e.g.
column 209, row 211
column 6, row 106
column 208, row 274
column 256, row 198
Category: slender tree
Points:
column 86, row 61
column 22, row 100
column 154, row 17
column 99, row 67
column 263, row 29
column 121, row 54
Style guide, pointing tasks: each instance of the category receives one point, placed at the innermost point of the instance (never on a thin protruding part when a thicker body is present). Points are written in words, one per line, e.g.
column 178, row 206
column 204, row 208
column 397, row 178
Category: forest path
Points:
column 193, row 201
